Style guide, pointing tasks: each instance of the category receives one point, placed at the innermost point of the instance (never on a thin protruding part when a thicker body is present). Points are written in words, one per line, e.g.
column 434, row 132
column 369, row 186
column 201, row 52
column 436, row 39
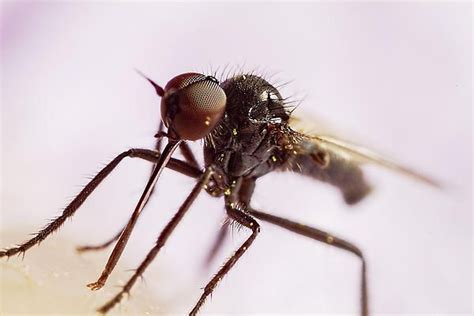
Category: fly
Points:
column 248, row 131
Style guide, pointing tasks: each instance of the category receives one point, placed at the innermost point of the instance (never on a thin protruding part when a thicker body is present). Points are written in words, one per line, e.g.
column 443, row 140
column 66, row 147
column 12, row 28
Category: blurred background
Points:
column 395, row 76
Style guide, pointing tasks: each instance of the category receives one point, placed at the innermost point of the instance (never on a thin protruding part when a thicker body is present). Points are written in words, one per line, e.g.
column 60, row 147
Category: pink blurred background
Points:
column 396, row 76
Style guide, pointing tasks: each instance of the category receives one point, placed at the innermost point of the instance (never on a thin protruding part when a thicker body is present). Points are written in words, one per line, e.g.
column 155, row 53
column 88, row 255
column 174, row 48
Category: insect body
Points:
column 255, row 137
column 247, row 131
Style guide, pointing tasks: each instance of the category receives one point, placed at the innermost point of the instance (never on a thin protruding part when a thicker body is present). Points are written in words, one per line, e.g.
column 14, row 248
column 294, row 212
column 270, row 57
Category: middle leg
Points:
column 169, row 228
column 122, row 242
column 246, row 220
column 190, row 168
column 244, row 195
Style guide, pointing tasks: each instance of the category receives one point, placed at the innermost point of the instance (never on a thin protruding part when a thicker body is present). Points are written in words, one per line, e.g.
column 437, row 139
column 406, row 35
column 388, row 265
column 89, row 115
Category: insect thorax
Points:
column 249, row 140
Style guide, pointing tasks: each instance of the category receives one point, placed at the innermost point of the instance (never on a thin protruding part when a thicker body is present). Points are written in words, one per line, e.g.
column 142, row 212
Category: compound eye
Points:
column 192, row 106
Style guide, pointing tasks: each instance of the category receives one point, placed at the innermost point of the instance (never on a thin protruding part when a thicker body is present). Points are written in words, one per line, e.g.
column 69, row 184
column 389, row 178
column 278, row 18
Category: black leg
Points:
column 159, row 139
column 122, row 242
column 184, row 147
column 182, row 167
column 167, row 231
column 69, row 211
column 246, row 220
column 322, row 236
column 244, row 195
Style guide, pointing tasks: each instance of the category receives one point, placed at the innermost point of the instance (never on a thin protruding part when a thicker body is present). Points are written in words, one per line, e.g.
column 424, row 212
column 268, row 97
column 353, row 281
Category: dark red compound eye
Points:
column 192, row 105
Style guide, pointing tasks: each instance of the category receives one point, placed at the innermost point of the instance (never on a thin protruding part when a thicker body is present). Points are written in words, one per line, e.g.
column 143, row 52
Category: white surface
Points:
column 396, row 75
column 51, row 282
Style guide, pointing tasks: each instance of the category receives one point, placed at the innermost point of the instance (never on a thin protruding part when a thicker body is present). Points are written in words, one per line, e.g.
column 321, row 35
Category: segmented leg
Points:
column 167, row 231
column 184, row 147
column 246, row 220
column 122, row 242
column 189, row 168
column 69, row 211
column 325, row 237
column 244, row 195
column 190, row 160
column 159, row 139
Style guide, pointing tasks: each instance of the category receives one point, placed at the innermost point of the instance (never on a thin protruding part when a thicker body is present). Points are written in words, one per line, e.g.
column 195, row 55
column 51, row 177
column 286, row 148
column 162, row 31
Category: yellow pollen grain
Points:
column 274, row 159
column 234, row 132
column 207, row 122
column 227, row 192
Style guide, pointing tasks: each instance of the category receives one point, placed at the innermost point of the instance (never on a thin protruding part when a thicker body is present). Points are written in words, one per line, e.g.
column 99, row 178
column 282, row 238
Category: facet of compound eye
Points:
column 192, row 105
column 183, row 80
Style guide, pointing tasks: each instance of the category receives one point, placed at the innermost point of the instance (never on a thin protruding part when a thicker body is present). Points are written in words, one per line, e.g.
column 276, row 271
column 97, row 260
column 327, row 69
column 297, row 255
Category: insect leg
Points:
column 174, row 164
column 163, row 237
column 110, row 241
column 245, row 194
column 322, row 236
column 122, row 242
column 160, row 139
column 246, row 220
column 184, row 147
column 69, row 211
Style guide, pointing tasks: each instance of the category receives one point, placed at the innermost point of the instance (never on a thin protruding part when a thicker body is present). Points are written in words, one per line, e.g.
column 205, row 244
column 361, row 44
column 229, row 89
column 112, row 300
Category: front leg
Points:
column 71, row 209
column 125, row 235
column 161, row 241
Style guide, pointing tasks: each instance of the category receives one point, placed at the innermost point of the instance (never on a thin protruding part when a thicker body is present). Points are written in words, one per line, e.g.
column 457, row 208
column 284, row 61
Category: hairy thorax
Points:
column 249, row 141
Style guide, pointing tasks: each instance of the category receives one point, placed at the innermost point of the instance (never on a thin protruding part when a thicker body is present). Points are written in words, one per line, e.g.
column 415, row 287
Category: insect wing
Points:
column 363, row 155
column 323, row 141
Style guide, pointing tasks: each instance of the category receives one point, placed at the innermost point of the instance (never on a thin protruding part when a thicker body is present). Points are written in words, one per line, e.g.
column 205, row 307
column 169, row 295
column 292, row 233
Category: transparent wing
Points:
column 323, row 140
column 363, row 155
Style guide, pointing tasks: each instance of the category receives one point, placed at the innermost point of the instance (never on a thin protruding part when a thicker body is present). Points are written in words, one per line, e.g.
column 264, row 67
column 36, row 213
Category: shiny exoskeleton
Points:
column 248, row 141
column 254, row 137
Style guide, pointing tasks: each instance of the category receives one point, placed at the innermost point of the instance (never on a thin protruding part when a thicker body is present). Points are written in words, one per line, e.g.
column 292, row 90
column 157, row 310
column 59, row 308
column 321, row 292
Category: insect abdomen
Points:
column 336, row 170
